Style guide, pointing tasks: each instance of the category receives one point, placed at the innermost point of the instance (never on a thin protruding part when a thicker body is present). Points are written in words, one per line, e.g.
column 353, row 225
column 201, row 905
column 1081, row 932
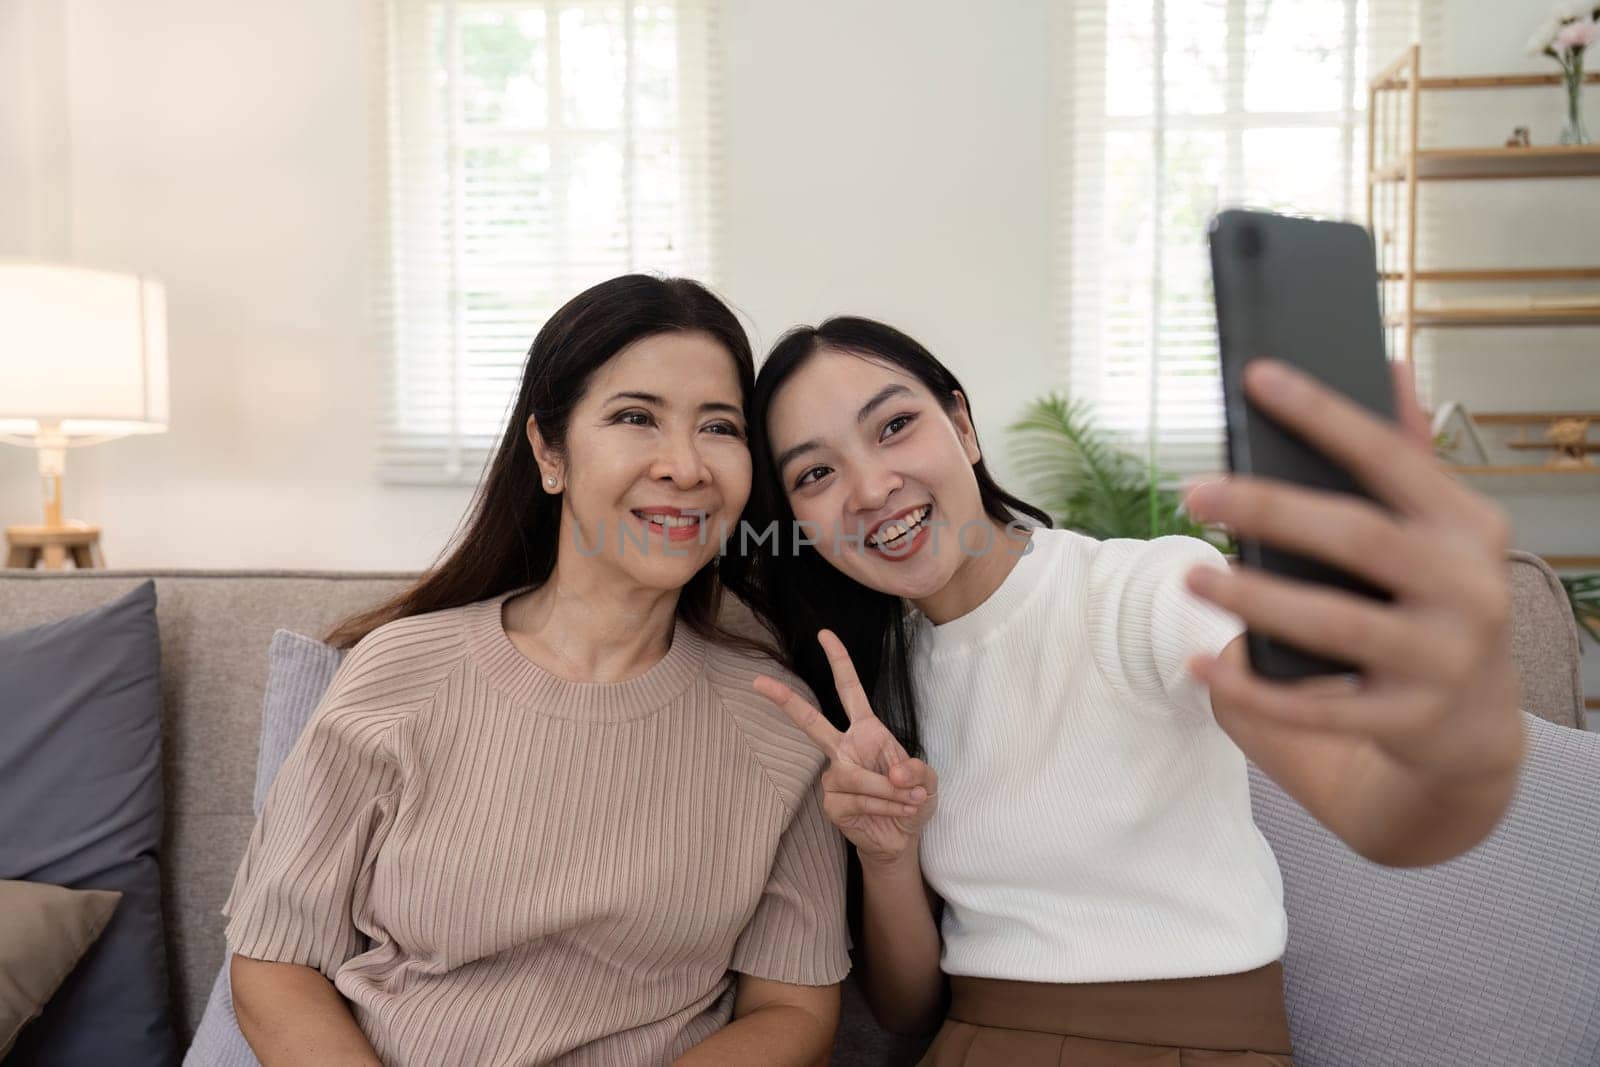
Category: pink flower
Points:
column 1575, row 35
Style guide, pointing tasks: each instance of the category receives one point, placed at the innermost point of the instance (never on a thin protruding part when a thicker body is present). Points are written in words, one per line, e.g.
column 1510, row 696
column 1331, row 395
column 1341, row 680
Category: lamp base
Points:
column 29, row 546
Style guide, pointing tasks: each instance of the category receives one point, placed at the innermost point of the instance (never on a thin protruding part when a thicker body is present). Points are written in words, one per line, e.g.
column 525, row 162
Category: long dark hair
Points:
column 513, row 528
column 800, row 591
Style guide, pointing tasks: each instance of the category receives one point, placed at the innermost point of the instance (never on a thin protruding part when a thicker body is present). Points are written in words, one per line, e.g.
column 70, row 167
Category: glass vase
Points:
column 1573, row 132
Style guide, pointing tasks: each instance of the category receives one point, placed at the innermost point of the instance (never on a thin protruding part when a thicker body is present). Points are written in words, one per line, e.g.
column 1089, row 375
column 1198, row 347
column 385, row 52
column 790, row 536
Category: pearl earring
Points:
column 550, row 480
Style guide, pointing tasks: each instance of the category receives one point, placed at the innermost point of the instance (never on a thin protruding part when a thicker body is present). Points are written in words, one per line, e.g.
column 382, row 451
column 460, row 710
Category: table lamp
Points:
column 83, row 359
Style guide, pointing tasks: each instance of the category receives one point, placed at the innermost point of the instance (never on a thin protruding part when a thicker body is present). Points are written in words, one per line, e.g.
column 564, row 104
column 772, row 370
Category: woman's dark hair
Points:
column 513, row 528
column 798, row 590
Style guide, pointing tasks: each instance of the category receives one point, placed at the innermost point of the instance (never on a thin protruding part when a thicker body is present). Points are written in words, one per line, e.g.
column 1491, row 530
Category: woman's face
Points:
column 656, row 461
column 865, row 452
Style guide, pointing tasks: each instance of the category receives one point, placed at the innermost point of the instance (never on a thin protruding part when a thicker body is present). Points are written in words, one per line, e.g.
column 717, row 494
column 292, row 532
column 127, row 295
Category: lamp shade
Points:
column 83, row 353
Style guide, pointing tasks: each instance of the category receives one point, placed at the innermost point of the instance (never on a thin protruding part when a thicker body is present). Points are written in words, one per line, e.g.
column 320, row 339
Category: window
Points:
column 532, row 149
column 1168, row 110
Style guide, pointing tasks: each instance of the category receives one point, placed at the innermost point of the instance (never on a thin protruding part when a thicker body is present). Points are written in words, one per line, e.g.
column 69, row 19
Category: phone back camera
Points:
column 1249, row 242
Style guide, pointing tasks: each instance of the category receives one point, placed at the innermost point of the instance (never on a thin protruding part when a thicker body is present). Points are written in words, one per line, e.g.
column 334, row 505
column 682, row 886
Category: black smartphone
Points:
column 1304, row 292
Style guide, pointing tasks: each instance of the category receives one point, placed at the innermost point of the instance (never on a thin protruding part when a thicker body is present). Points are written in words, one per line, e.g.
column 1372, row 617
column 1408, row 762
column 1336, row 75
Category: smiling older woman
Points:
column 539, row 815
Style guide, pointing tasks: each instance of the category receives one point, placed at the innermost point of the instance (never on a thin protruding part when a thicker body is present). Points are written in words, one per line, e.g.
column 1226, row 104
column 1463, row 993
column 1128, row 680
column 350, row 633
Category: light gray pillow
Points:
column 1492, row 958
column 299, row 669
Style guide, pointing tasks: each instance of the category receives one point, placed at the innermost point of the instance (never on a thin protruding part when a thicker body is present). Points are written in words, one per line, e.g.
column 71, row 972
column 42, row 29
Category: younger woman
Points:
column 540, row 816
column 1097, row 891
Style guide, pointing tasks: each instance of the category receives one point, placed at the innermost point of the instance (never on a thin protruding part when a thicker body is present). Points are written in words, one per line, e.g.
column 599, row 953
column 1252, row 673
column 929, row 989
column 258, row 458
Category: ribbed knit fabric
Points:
column 498, row 866
column 1094, row 820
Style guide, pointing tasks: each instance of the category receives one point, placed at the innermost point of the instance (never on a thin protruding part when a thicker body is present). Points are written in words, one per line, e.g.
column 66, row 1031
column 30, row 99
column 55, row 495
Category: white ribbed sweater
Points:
column 1094, row 820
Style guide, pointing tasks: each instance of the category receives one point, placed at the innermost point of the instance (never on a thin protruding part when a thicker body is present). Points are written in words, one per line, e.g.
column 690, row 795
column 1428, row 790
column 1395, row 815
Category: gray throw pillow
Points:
column 1492, row 958
column 80, row 786
column 299, row 670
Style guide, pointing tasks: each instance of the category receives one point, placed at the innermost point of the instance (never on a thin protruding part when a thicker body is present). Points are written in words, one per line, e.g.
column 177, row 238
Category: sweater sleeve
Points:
column 797, row 933
column 310, row 856
column 1145, row 624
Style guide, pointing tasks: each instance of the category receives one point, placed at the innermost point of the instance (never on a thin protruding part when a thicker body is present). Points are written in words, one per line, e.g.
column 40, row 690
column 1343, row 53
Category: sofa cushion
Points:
column 44, row 932
column 1544, row 642
column 1490, row 958
column 299, row 670
column 215, row 630
column 80, row 784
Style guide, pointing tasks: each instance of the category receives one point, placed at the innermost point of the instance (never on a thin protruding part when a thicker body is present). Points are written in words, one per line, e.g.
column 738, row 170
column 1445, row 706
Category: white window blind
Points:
column 1166, row 111
column 531, row 149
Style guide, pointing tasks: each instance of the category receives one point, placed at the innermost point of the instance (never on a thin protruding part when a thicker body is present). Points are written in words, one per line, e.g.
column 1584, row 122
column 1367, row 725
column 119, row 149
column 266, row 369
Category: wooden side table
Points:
column 26, row 546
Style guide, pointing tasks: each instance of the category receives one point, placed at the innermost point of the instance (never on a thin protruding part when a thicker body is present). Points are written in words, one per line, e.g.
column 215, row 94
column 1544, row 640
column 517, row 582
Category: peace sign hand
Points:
column 873, row 791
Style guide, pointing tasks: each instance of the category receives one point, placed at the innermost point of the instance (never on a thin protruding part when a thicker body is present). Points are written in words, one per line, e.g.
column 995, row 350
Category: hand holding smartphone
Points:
column 1418, row 758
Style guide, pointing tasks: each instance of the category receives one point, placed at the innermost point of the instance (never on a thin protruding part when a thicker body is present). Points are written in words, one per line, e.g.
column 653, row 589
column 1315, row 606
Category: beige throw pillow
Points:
column 44, row 931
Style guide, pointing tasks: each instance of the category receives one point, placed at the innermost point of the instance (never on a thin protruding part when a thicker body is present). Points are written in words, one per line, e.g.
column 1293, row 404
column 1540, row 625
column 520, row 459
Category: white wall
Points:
column 33, row 185
column 888, row 159
column 223, row 148
column 33, row 143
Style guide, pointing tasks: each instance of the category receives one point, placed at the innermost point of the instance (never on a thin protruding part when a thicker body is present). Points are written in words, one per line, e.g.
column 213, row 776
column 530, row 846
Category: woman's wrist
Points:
column 904, row 866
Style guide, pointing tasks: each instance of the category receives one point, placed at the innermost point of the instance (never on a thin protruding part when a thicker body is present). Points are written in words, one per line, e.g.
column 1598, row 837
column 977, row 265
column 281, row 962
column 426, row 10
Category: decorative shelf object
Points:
column 1455, row 434
column 1568, row 441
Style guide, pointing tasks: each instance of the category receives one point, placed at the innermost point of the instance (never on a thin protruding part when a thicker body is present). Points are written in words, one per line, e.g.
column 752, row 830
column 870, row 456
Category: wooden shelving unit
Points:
column 1398, row 163
column 1523, row 419
column 1400, row 168
column 1541, row 274
column 1521, row 468
column 1573, row 563
column 1488, row 164
column 1502, row 315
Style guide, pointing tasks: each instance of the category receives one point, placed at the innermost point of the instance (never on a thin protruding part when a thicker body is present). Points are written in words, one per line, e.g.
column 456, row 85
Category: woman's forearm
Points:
column 778, row 1034
column 899, row 964
column 291, row 1014
column 1396, row 816
column 774, row 1022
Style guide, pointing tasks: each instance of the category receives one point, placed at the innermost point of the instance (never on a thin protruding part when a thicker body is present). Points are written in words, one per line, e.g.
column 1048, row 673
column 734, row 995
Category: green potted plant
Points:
column 1074, row 471
column 1583, row 590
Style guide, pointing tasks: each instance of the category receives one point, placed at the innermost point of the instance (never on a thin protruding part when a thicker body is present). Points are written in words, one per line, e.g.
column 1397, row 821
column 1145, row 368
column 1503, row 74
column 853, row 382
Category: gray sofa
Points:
column 215, row 628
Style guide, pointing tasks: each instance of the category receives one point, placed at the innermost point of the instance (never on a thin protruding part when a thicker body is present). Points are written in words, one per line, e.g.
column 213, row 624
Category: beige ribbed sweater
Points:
column 497, row 866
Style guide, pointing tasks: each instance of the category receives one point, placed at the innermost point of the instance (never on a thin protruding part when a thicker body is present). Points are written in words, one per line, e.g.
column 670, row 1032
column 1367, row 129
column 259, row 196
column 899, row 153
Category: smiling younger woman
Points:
column 1072, row 874
column 539, row 815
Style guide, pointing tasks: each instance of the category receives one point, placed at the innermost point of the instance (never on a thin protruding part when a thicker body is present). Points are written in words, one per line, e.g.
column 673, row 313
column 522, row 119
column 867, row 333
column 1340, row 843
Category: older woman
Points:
column 540, row 815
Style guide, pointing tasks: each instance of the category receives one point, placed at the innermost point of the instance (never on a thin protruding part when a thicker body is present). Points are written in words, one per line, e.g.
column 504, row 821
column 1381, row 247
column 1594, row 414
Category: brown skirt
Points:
column 1234, row 1019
